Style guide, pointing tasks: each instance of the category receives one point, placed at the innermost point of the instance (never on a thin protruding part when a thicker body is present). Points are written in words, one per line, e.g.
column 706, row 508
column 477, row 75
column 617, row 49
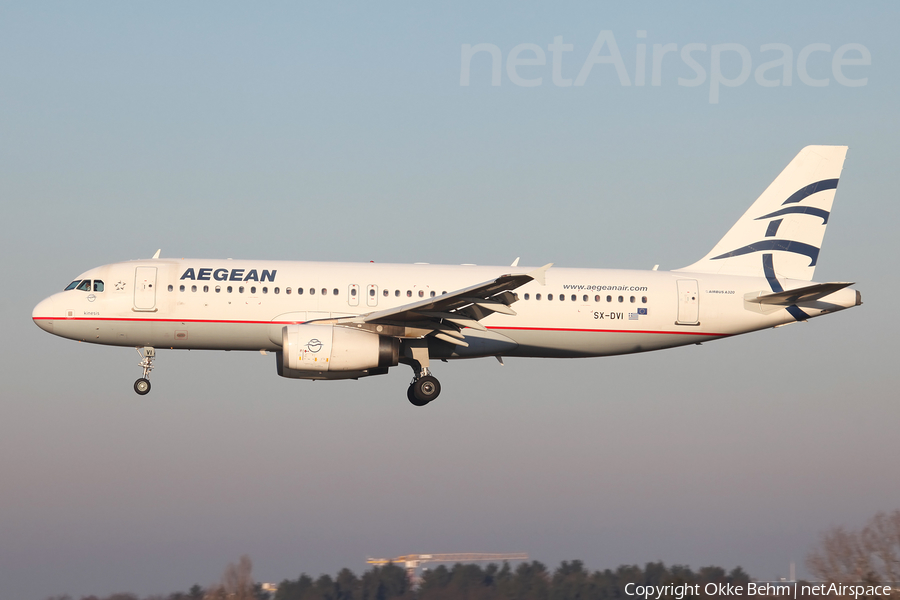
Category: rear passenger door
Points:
column 688, row 302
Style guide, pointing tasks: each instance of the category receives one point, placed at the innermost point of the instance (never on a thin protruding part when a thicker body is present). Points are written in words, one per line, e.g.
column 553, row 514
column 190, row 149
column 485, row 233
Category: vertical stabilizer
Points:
column 781, row 234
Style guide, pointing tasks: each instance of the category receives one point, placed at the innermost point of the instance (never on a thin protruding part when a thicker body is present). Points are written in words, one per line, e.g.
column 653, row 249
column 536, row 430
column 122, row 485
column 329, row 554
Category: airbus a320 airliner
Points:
column 349, row 320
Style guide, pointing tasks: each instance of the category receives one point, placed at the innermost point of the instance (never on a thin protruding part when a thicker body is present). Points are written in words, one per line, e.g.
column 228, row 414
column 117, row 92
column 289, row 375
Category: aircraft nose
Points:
column 42, row 315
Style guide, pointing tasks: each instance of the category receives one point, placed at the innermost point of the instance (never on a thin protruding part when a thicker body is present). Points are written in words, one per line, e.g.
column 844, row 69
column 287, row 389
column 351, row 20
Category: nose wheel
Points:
column 142, row 385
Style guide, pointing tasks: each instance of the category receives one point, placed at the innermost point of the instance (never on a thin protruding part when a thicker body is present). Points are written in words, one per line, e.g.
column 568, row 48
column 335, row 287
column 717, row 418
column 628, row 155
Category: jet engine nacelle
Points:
column 326, row 348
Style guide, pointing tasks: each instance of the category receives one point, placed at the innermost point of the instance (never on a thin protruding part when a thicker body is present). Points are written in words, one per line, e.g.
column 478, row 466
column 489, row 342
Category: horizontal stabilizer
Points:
column 809, row 293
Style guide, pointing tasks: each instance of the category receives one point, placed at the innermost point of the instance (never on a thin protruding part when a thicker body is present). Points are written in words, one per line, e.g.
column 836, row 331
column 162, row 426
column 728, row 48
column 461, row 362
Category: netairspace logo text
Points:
column 527, row 64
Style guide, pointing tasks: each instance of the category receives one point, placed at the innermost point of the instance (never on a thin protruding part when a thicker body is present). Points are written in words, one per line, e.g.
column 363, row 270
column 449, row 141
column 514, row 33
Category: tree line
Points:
column 526, row 581
column 868, row 555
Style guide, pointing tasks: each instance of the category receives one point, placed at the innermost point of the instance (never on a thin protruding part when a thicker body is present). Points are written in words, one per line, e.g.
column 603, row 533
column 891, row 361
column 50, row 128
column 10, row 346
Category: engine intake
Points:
column 326, row 348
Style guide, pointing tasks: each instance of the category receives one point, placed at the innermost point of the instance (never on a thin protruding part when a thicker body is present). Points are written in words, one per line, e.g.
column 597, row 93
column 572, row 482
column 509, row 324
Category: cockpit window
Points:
column 72, row 285
column 84, row 286
column 98, row 285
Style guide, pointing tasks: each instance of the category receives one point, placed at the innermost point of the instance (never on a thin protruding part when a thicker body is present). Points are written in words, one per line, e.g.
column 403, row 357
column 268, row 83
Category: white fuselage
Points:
column 351, row 320
column 243, row 305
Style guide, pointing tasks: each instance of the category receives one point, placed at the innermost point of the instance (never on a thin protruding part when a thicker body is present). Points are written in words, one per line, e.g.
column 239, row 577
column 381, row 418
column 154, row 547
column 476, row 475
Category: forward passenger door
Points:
column 145, row 289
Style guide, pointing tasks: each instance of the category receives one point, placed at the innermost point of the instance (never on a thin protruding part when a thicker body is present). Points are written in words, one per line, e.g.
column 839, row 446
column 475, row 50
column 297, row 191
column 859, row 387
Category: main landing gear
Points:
column 424, row 387
column 423, row 390
column 147, row 354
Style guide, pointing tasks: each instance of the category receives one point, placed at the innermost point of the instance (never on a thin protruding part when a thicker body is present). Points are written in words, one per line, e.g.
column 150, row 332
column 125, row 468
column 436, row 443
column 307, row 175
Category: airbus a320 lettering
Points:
column 348, row 320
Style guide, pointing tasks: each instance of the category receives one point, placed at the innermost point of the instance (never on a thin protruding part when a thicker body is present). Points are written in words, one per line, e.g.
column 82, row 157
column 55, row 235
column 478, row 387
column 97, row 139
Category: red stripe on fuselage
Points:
column 139, row 320
column 163, row 320
column 614, row 331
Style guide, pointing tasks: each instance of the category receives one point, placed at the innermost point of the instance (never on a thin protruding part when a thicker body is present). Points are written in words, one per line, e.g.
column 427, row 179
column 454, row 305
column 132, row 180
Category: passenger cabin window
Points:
column 287, row 291
column 397, row 293
column 335, row 292
column 98, row 286
column 171, row 288
column 527, row 296
column 241, row 289
column 609, row 298
column 621, row 299
column 597, row 298
column 574, row 297
column 276, row 290
column 73, row 285
column 181, row 288
column 549, row 296
column 421, row 293
column 409, row 293
column 229, row 289
column 193, row 288
column 371, row 292
column 205, row 288
column 252, row 289
column 353, row 292
column 312, row 291
column 324, row 292
column 299, row 291
column 644, row 299
column 84, row 286
column 384, row 293
column 632, row 299
column 537, row 296
column 218, row 289
column 265, row 290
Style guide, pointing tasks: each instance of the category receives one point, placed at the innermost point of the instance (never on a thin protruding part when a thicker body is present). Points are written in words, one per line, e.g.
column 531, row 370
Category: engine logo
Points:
column 314, row 345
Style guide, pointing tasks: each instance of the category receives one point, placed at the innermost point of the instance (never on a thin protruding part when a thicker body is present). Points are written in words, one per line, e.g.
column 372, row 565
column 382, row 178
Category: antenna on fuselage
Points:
column 157, row 253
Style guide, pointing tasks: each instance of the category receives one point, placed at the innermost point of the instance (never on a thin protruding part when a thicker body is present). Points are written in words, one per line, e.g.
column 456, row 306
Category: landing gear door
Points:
column 145, row 289
column 688, row 302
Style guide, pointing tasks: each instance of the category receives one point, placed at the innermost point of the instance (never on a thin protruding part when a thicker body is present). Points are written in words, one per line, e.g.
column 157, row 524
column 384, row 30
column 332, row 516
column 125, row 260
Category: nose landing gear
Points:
column 147, row 354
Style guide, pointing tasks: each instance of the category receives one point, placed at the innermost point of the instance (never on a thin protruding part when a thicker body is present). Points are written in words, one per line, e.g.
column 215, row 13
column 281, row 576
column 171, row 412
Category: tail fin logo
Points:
column 787, row 220
column 773, row 243
column 772, row 230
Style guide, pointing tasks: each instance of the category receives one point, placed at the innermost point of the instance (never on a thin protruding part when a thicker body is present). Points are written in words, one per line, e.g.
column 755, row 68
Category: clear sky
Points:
column 342, row 132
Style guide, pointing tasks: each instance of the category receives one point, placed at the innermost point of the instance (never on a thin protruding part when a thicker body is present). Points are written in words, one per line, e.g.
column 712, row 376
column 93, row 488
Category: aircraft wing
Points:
column 446, row 315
